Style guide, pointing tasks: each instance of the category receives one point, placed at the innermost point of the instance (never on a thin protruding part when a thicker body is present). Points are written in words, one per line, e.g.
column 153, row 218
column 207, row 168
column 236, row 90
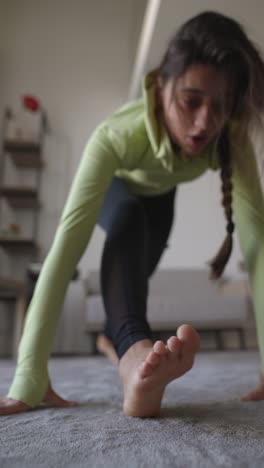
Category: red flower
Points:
column 31, row 103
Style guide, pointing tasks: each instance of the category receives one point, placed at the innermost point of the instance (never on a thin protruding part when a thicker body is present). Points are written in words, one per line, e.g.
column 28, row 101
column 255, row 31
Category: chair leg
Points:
column 219, row 340
column 93, row 337
column 20, row 310
column 242, row 339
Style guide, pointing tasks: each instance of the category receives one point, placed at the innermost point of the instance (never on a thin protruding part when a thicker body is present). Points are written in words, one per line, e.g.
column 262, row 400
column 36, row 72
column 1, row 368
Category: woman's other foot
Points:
column 105, row 346
column 146, row 369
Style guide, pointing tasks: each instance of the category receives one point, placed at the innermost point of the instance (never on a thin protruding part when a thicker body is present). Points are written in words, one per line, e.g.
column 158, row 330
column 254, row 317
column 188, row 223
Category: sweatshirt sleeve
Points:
column 98, row 164
column 249, row 217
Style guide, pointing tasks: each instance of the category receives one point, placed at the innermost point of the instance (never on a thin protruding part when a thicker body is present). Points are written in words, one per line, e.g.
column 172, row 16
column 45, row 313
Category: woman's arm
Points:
column 78, row 219
column 249, row 217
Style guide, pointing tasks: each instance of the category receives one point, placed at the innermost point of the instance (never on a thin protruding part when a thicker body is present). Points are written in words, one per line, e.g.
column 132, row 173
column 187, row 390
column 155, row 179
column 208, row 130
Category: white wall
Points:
column 76, row 56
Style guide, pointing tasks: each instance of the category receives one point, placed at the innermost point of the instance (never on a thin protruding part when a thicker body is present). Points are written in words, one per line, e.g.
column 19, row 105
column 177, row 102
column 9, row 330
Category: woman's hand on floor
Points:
column 51, row 398
column 257, row 394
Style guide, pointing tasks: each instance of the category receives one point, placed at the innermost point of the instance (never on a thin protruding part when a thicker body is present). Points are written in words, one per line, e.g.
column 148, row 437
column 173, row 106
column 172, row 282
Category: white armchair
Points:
column 182, row 296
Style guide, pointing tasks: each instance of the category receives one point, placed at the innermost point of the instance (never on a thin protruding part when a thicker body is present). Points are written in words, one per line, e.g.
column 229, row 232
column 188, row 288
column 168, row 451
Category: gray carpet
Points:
column 202, row 424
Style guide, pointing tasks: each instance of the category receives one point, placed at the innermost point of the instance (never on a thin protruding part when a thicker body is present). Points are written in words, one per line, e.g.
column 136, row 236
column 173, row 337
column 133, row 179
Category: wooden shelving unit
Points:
column 21, row 146
column 14, row 291
column 20, row 197
column 21, row 165
column 25, row 156
column 17, row 243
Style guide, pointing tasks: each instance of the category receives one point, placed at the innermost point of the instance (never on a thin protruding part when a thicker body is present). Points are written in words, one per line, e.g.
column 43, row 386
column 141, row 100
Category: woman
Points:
column 196, row 113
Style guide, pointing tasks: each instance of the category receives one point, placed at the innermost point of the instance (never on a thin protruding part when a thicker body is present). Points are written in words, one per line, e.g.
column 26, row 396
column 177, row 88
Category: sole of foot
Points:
column 147, row 368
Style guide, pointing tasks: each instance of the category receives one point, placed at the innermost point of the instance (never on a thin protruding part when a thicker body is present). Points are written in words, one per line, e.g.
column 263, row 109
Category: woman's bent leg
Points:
column 124, row 277
column 137, row 232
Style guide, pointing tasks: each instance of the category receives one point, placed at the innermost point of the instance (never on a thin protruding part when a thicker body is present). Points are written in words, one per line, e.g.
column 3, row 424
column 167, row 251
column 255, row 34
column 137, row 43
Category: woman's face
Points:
column 196, row 107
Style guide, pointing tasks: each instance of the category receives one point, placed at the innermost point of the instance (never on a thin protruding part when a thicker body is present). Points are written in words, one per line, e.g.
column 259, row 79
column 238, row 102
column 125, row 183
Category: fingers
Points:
column 256, row 395
column 10, row 406
column 53, row 399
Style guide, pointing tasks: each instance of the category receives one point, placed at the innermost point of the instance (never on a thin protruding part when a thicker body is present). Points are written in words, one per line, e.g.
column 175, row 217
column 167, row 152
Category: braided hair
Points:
column 211, row 38
column 219, row 261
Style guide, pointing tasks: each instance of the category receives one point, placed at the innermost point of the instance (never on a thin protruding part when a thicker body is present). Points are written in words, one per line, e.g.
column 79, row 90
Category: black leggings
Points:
column 137, row 230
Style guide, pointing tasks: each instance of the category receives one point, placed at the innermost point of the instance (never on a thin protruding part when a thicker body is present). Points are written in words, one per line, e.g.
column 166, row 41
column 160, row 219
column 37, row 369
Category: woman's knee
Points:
column 129, row 221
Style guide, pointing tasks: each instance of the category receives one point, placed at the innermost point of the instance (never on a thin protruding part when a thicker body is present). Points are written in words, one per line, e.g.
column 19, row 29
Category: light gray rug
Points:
column 202, row 424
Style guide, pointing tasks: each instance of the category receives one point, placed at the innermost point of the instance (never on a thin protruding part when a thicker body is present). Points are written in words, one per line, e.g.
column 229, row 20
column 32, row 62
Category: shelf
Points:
column 7, row 296
column 11, row 288
column 20, row 197
column 17, row 244
column 25, row 154
column 17, row 146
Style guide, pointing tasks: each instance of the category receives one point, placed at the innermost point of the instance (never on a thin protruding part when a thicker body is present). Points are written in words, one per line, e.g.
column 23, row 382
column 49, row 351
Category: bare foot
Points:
column 146, row 369
column 105, row 346
column 51, row 398
column 257, row 394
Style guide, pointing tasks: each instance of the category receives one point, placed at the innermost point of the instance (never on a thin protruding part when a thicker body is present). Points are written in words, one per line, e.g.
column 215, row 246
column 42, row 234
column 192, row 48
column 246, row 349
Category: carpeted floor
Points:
column 202, row 423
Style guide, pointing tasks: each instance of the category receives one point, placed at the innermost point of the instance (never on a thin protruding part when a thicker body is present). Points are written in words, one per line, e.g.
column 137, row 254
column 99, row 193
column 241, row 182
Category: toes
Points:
column 245, row 398
column 146, row 369
column 53, row 399
column 248, row 397
column 188, row 335
column 160, row 348
column 153, row 358
column 60, row 403
column 174, row 344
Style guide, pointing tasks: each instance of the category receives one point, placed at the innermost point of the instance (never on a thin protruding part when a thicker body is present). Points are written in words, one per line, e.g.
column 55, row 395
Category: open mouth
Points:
column 199, row 137
column 197, row 141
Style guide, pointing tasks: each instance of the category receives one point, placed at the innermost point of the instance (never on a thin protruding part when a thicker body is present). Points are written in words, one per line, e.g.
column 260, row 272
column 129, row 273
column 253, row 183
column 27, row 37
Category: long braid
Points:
column 219, row 262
